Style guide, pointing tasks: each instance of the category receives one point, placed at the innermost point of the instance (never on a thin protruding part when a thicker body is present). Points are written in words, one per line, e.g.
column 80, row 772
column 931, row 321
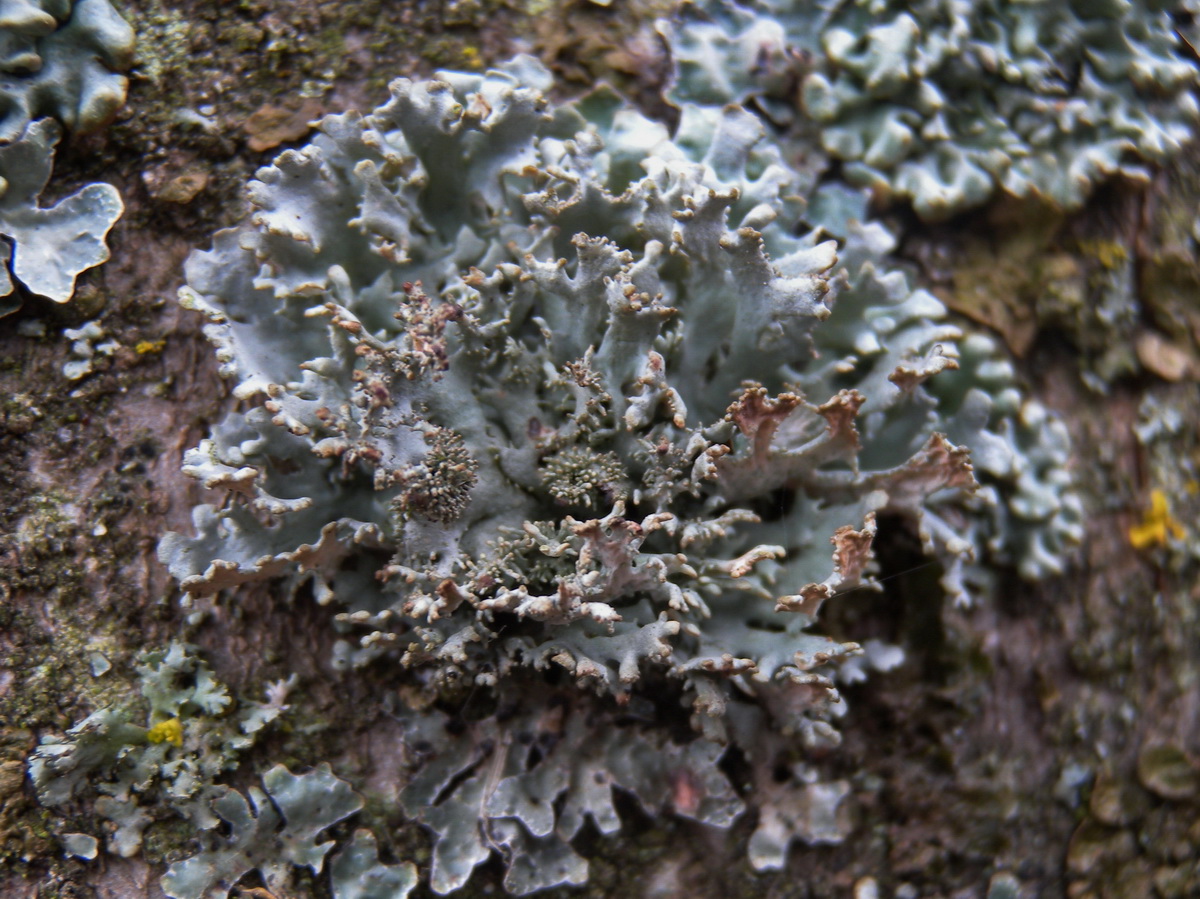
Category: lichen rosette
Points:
column 541, row 395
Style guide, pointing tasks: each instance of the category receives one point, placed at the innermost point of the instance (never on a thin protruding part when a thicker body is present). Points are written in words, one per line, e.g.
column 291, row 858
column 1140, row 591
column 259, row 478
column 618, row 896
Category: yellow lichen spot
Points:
column 1110, row 254
column 169, row 731
column 1157, row 527
column 145, row 347
column 470, row 57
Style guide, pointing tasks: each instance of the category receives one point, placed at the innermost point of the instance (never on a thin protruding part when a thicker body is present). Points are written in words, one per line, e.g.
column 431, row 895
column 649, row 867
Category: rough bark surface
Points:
column 1042, row 743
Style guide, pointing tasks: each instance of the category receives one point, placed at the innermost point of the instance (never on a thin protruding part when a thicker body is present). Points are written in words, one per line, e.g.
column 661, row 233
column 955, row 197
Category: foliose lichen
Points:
column 277, row 829
column 47, row 248
column 159, row 754
column 357, row 873
column 942, row 103
column 547, row 402
column 61, row 59
column 87, row 346
column 60, row 62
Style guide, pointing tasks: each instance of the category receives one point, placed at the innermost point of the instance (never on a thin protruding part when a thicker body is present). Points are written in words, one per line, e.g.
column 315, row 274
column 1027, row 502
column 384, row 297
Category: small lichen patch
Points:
column 149, row 347
column 49, row 246
column 169, row 731
column 1157, row 527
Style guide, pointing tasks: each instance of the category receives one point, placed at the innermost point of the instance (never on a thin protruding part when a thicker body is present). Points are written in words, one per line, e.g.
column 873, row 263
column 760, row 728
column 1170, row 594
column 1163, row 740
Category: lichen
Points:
column 1164, row 525
column 134, row 773
column 944, row 104
column 48, row 247
column 60, row 63
column 357, row 873
column 278, row 828
column 62, row 59
column 86, row 349
column 545, row 402
column 1157, row 527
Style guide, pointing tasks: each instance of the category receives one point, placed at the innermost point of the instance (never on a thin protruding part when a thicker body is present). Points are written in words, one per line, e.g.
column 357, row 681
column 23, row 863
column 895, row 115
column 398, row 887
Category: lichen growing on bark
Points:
column 48, row 246
column 62, row 59
column 541, row 395
column 944, row 104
